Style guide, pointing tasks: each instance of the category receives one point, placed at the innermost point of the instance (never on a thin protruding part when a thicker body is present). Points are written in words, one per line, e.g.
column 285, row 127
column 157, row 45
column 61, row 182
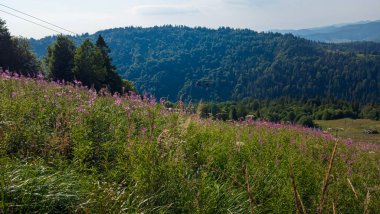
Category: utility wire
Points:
column 41, row 20
column 30, row 21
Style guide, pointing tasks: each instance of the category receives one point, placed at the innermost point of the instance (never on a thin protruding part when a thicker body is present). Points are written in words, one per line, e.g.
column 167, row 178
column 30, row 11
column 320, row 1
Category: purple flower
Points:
column 80, row 109
column 326, row 136
column 348, row 142
column 117, row 99
column 14, row 94
column 40, row 76
column 143, row 130
column 77, row 82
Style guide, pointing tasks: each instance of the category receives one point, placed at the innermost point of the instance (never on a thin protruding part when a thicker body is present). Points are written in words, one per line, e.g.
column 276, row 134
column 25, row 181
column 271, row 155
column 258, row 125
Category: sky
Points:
column 89, row 16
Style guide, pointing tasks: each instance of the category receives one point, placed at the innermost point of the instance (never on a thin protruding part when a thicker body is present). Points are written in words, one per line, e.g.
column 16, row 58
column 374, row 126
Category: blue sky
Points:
column 83, row 16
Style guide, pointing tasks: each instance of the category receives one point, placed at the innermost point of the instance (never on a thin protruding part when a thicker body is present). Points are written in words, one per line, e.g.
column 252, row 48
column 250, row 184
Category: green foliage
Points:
column 290, row 110
column 232, row 64
column 24, row 61
column 5, row 45
column 371, row 112
column 16, row 54
column 128, row 86
column 112, row 80
column 306, row 121
column 67, row 149
column 89, row 65
column 60, row 59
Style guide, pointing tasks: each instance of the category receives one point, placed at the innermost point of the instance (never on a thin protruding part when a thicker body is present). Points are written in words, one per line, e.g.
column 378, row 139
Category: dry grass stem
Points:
column 326, row 180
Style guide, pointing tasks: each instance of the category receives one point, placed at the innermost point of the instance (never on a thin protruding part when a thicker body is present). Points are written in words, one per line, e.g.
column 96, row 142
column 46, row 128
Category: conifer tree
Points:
column 5, row 45
column 60, row 59
column 15, row 53
column 113, row 81
column 89, row 65
column 24, row 61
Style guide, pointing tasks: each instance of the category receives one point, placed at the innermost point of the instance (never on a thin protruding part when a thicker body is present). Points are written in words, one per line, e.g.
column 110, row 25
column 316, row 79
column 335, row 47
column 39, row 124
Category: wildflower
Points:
column 92, row 100
column 162, row 101
column 14, row 94
column 326, row 136
column 40, row 76
column 80, row 109
column 152, row 101
column 348, row 142
column 143, row 130
column 117, row 99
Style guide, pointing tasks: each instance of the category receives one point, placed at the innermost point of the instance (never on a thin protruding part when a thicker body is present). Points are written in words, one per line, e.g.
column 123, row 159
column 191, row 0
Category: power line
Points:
column 30, row 21
column 41, row 20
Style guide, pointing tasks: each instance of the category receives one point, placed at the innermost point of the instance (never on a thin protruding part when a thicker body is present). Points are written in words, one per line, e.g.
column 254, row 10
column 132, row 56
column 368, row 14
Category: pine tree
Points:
column 60, row 59
column 15, row 54
column 113, row 81
column 89, row 65
column 24, row 61
column 5, row 46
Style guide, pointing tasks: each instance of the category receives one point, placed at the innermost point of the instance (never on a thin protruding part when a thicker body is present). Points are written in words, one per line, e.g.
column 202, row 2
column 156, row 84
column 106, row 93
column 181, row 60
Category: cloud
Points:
column 164, row 10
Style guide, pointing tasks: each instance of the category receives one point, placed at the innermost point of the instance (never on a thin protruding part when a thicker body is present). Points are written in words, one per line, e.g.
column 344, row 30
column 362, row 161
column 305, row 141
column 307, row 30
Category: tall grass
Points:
column 67, row 149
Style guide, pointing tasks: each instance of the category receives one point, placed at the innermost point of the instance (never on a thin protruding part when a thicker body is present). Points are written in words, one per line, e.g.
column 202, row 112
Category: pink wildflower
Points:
column 348, row 142
column 117, row 99
column 143, row 130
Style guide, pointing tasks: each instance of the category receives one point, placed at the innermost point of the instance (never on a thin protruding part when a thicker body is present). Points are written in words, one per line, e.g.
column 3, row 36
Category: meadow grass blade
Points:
column 334, row 208
column 352, row 188
column 367, row 202
column 327, row 179
column 297, row 197
column 249, row 192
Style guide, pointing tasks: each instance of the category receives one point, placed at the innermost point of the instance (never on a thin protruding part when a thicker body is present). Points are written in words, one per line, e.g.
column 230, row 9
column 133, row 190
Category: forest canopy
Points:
column 232, row 64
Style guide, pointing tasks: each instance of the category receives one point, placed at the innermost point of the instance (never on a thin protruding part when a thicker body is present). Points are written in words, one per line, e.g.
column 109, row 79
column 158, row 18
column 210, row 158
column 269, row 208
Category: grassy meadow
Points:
column 67, row 149
column 350, row 128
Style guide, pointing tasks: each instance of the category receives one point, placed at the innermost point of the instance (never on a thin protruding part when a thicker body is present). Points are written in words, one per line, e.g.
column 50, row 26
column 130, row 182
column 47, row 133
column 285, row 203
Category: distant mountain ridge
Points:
column 360, row 31
column 233, row 64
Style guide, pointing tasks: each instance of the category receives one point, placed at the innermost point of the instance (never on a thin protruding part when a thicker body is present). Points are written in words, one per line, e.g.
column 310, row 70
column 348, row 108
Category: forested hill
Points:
column 362, row 31
column 230, row 64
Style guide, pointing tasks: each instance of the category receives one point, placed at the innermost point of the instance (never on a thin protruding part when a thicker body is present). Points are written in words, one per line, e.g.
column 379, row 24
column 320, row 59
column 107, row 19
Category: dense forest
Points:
column 232, row 64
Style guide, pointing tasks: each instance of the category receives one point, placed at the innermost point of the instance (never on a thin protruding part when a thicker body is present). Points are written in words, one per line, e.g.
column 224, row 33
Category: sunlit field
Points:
column 354, row 129
column 67, row 149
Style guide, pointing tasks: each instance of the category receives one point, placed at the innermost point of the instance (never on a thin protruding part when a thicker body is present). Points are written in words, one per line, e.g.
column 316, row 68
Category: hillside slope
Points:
column 65, row 149
column 229, row 64
column 366, row 31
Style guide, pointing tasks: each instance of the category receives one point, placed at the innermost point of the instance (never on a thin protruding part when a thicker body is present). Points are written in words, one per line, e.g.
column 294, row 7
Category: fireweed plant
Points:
column 65, row 148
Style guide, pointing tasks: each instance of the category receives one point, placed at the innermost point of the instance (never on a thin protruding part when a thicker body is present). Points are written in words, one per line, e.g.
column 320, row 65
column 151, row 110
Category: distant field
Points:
column 349, row 128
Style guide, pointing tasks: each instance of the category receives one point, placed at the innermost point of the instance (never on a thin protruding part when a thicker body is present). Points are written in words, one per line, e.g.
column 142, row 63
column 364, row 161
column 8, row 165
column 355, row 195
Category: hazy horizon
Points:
column 259, row 15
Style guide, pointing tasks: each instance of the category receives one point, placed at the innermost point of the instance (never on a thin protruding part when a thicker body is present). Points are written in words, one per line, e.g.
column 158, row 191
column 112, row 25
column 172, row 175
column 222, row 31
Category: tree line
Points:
column 232, row 64
column 303, row 111
column 89, row 63
column 15, row 53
